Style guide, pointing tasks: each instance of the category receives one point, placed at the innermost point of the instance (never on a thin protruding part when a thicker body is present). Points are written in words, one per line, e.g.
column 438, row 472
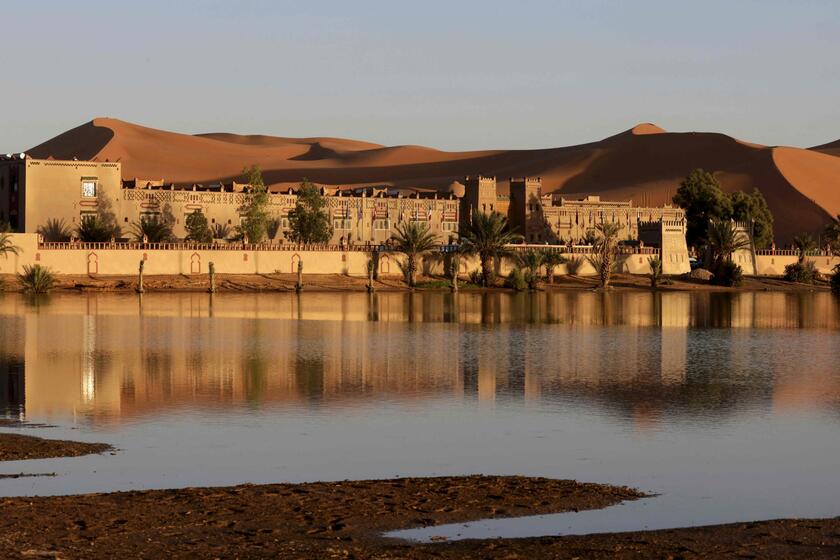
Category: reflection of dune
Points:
column 644, row 164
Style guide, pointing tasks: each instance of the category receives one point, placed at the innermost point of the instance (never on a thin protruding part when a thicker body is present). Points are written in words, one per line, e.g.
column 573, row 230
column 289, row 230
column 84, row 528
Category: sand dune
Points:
column 832, row 148
column 644, row 163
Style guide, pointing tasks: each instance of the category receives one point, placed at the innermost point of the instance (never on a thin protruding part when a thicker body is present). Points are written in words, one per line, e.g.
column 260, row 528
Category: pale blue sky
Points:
column 448, row 74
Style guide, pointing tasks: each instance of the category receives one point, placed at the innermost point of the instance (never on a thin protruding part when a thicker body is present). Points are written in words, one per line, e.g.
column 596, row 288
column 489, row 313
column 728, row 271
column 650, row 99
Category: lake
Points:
column 725, row 405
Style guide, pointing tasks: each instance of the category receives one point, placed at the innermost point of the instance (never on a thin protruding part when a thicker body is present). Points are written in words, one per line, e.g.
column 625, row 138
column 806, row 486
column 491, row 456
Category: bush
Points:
column 516, row 280
column 835, row 280
column 36, row 279
column 727, row 273
column 803, row 272
column 475, row 277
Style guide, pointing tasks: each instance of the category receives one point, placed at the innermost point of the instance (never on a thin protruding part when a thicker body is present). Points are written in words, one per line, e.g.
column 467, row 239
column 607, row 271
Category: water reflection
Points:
column 103, row 358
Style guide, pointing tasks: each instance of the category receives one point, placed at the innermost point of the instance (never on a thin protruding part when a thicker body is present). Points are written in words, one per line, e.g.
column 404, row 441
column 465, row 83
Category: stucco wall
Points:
column 235, row 260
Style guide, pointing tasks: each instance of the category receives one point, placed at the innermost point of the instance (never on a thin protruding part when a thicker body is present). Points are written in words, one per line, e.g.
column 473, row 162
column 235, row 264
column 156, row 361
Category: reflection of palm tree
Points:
column 487, row 235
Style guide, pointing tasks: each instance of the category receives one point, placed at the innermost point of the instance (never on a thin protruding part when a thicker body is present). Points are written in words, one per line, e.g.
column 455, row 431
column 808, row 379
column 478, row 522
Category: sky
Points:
column 454, row 75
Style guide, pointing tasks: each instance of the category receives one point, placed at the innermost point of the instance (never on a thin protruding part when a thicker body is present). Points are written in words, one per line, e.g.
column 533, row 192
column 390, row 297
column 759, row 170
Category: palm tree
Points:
column 531, row 260
column 152, row 229
column 414, row 240
column 550, row 260
column 655, row 263
column 93, row 229
column 221, row 231
column 832, row 235
column 55, row 230
column 605, row 250
column 7, row 246
column 725, row 239
column 487, row 235
column 803, row 244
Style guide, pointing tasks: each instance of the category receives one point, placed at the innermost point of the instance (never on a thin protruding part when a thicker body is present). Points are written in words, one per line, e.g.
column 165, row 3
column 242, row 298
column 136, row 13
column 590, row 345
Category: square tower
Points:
column 479, row 196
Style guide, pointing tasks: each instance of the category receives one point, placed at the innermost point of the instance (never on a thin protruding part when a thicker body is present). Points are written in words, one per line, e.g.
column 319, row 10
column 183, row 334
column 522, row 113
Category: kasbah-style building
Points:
column 33, row 191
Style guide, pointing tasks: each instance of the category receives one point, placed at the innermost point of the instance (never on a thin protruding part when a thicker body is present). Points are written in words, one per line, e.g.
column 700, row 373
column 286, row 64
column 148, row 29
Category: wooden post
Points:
column 140, row 288
column 212, row 268
column 299, row 285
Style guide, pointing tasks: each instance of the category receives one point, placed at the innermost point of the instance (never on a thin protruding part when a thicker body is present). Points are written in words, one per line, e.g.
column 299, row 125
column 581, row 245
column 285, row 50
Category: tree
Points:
column 655, row 264
column 197, row 228
column 254, row 211
column 724, row 240
column 106, row 217
column 7, row 246
column 832, row 235
column 487, row 235
column 551, row 259
column 221, row 231
column 803, row 244
column 748, row 207
column 55, row 230
column 153, row 229
column 701, row 197
column 414, row 240
column 91, row 229
column 531, row 261
column 605, row 251
column 309, row 221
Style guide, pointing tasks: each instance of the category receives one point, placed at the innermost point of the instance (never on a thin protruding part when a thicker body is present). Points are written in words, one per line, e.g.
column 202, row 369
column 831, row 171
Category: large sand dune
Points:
column 644, row 164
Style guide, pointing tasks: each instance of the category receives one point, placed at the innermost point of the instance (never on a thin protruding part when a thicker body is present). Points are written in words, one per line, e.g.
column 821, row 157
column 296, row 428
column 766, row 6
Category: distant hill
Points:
column 644, row 164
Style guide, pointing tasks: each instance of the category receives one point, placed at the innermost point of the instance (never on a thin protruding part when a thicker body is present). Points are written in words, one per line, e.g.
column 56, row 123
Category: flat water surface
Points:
column 725, row 405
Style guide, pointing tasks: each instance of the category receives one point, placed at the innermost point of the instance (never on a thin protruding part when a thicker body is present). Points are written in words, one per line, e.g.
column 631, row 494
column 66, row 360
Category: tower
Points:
column 479, row 196
column 526, row 211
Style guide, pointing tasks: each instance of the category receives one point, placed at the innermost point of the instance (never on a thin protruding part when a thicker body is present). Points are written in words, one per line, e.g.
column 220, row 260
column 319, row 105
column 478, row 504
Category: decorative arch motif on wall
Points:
column 92, row 263
column 384, row 264
column 195, row 263
column 295, row 261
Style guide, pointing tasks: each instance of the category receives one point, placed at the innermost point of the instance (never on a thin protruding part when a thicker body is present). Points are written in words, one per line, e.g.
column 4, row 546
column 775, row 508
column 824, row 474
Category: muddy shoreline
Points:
column 347, row 519
column 341, row 283
column 18, row 447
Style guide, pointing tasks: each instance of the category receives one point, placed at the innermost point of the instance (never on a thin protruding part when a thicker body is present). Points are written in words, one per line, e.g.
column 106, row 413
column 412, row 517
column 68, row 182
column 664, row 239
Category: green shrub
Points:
column 727, row 273
column 516, row 280
column 835, row 279
column 475, row 277
column 803, row 272
column 655, row 275
column 36, row 279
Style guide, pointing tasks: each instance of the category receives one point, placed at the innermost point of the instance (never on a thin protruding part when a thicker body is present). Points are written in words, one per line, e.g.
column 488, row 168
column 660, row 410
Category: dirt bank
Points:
column 342, row 283
column 17, row 447
column 345, row 520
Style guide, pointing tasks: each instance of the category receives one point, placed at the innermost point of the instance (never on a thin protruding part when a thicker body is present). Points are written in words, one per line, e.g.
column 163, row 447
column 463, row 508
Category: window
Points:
column 449, row 226
column 341, row 224
column 85, row 217
column 89, row 188
column 382, row 224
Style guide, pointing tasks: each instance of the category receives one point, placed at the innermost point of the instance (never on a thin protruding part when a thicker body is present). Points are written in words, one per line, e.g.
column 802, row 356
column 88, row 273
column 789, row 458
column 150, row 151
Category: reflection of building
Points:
column 104, row 357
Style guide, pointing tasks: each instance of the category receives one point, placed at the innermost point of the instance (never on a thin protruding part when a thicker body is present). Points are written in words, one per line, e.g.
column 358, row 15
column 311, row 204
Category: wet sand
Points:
column 343, row 283
column 17, row 447
column 346, row 520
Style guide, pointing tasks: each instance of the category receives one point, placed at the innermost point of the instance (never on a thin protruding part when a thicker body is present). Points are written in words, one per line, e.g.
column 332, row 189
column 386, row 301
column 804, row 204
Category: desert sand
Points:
column 644, row 164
